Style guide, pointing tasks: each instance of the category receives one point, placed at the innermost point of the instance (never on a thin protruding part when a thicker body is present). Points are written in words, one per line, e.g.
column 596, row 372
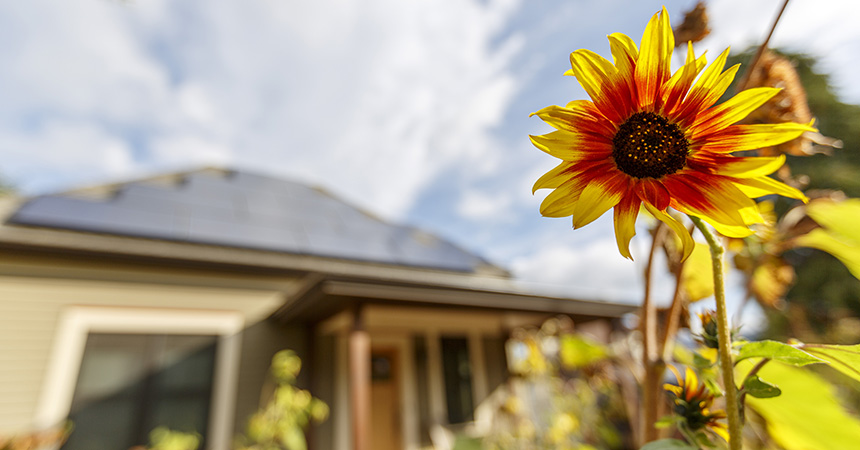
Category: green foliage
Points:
column 280, row 424
column 565, row 394
column 578, row 351
column 163, row 438
column 776, row 351
column 759, row 388
column 844, row 358
column 667, row 444
column 839, row 234
column 807, row 416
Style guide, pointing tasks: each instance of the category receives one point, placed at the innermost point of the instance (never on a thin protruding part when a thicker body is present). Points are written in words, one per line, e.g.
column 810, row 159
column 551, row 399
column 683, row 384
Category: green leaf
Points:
column 839, row 234
column 839, row 217
column 759, row 388
column 577, row 351
column 844, row 358
column 668, row 421
column 668, row 444
column 807, row 415
column 848, row 254
column 777, row 351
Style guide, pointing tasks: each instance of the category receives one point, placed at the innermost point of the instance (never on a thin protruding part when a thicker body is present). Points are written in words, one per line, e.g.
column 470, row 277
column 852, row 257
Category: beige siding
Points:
column 31, row 308
column 260, row 342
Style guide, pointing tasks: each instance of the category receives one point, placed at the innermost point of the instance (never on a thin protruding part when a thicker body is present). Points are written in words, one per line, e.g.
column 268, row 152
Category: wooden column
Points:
column 359, row 382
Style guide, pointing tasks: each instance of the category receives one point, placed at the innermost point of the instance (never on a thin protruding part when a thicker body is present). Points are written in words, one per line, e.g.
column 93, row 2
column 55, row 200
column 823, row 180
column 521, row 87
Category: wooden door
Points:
column 386, row 417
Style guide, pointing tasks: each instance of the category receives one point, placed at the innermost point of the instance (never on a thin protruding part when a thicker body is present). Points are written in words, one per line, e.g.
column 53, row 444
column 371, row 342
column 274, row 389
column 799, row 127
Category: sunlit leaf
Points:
column 844, row 358
column 577, row 351
column 807, row 415
column 759, row 388
column 668, row 444
column 846, row 252
column 839, row 217
column 668, row 421
column 839, row 234
column 698, row 276
column 778, row 351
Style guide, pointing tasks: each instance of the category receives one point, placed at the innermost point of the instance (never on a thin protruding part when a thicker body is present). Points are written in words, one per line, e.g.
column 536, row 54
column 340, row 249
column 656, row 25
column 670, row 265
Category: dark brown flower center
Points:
column 647, row 145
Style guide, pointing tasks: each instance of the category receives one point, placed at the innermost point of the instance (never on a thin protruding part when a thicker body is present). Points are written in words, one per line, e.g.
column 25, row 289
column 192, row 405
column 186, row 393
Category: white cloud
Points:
column 190, row 151
column 376, row 100
column 584, row 262
column 476, row 205
column 76, row 152
column 373, row 100
column 827, row 30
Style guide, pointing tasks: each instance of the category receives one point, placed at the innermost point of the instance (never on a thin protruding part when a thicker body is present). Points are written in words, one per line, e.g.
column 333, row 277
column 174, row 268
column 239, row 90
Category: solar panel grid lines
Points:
column 246, row 210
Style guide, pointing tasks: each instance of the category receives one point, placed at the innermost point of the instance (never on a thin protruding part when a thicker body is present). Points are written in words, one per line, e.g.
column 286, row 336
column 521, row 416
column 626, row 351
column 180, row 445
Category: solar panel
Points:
column 240, row 209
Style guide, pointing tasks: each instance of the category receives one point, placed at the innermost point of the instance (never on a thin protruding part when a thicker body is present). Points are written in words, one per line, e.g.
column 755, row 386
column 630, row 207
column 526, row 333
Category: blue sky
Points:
column 416, row 110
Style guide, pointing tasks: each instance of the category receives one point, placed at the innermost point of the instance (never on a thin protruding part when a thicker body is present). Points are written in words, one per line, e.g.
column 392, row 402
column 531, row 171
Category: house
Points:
column 161, row 302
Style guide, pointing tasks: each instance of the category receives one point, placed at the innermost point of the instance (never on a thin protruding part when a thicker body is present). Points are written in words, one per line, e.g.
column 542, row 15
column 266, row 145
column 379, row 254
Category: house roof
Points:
column 232, row 208
column 242, row 222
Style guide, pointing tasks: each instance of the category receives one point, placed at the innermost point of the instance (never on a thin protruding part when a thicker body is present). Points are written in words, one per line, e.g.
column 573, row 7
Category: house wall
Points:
column 38, row 290
column 417, row 331
column 260, row 342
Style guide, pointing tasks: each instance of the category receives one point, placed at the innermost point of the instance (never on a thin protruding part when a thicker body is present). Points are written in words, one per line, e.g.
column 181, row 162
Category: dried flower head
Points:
column 694, row 28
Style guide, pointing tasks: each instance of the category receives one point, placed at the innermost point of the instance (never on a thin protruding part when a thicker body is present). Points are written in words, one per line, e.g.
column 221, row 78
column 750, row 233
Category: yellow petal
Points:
column 674, row 91
column 577, row 117
column 751, row 167
column 728, row 230
column 679, row 229
column 562, row 201
column 760, row 187
column 706, row 90
column 597, row 198
column 601, row 81
column 592, row 71
column 561, row 144
column 677, row 390
column 716, row 200
column 624, row 53
column 720, row 430
column 737, row 138
column 555, row 177
column 625, row 215
column 690, row 378
column 653, row 67
column 731, row 111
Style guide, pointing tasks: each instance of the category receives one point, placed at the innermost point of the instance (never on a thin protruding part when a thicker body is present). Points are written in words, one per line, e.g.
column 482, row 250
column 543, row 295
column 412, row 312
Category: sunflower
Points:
column 650, row 138
column 693, row 401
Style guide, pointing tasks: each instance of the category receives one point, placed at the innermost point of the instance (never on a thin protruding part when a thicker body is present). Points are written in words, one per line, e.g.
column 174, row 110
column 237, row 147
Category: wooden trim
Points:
column 78, row 321
column 340, row 406
column 359, row 384
column 479, row 369
column 436, row 380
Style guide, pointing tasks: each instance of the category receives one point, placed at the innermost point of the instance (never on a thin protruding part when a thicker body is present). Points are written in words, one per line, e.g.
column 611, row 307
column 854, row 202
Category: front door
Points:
column 385, row 399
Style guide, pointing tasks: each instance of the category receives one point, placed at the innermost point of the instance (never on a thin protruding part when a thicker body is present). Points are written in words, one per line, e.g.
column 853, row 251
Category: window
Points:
column 123, row 371
column 131, row 383
column 458, row 378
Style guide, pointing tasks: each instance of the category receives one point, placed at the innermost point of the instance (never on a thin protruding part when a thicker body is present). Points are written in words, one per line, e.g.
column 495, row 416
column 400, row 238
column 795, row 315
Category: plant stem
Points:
column 724, row 336
column 742, row 83
column 651, row 361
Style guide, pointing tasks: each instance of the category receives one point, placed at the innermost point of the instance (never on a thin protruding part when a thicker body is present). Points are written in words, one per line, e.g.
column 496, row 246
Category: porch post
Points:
column 359, row 382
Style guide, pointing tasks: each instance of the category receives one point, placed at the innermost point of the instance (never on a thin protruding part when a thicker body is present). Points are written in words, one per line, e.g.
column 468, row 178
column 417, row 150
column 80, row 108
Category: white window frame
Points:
column 77, row 322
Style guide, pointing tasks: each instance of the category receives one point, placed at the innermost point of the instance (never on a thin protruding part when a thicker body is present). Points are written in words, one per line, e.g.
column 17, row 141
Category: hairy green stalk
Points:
column 724, row 336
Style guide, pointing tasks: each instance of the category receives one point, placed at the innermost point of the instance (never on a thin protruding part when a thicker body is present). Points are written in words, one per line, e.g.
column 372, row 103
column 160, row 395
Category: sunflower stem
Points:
column 724, row 337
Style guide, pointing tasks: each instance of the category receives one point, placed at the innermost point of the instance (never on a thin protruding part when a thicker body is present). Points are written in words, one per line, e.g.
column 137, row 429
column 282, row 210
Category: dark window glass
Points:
column 424, row 420
column 131, row 383
column 458, row 378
